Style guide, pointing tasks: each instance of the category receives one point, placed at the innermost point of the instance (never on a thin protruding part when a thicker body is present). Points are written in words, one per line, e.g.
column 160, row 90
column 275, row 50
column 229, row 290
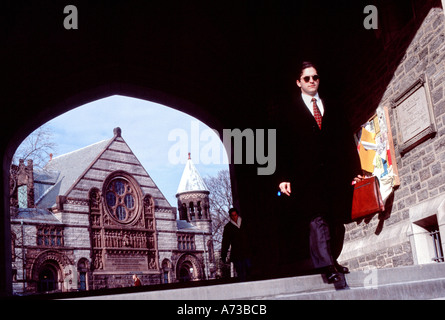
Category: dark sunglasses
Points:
column 307, row 78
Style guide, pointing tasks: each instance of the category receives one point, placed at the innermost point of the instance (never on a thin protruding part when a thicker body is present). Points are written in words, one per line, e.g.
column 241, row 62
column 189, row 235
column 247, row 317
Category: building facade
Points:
column 94, row 217
column 411, row 117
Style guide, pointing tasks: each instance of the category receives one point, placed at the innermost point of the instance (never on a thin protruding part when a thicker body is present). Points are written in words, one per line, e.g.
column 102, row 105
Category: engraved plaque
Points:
column 414, row 115
column 118, row 260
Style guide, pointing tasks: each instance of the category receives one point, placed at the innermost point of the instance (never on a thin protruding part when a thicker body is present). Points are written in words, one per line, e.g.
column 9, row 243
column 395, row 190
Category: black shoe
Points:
column 340, row 268
column 331, row 275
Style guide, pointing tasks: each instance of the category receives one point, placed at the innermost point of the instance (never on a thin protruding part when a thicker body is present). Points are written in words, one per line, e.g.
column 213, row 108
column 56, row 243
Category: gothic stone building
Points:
column 94, row 217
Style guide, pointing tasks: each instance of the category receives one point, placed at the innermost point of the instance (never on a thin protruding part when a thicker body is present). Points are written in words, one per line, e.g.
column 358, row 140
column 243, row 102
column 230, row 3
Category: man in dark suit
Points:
column 319, row 164
column 235, row 237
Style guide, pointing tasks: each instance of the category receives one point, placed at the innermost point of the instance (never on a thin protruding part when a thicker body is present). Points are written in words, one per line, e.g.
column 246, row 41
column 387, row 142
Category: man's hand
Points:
column 358, row 179
column 285, row 188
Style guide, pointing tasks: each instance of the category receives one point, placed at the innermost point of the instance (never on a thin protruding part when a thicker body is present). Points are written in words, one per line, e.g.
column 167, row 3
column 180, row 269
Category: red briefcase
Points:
column 367, row 199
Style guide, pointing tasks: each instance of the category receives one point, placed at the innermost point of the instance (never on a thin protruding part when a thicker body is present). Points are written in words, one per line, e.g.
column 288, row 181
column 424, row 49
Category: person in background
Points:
column 137, row 281
column 235, row 238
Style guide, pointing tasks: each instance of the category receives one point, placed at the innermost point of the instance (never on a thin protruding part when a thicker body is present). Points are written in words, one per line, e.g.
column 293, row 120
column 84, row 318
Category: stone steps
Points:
column 402, row 283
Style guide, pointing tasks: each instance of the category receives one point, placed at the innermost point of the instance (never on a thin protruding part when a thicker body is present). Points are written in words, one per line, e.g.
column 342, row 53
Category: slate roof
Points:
column 186, row 226
column 191, row 179
column 34, row 215
column 63, row 171
column 43, row 181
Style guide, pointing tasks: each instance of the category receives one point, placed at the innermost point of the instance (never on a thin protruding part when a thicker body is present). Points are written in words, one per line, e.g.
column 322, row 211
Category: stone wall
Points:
column 387, row 239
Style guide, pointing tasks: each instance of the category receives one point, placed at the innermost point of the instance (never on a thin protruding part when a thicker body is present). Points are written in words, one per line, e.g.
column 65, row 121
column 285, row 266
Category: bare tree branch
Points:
column 220, row 202
column 37, row 146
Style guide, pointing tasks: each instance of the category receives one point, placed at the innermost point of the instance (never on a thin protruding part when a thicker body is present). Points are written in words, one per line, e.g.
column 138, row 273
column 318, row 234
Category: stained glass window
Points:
column 120, row 199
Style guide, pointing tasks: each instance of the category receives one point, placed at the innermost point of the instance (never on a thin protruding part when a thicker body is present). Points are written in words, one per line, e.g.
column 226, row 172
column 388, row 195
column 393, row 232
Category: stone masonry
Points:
column 390, row 239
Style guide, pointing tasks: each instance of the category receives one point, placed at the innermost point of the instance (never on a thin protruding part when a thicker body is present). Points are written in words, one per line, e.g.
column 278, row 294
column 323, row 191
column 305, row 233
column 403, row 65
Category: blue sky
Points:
column 153, row 132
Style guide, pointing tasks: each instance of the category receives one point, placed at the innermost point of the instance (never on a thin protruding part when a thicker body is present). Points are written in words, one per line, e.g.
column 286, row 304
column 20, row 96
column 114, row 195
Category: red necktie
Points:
column 317, row 114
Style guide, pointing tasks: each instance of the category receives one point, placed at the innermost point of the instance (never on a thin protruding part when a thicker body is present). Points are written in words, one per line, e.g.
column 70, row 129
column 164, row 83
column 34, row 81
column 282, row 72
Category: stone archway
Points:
column 47, row 271
column 48, row 277
column 189, row 268
column 189, row 57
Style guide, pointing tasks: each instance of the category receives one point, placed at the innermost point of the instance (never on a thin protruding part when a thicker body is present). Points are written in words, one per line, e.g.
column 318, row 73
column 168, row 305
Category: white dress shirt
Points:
column 308, row 101
column 237, row 223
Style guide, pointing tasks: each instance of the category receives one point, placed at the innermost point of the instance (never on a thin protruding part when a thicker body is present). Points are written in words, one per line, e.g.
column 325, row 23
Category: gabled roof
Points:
column 68, row 168
column 74, row 174
column 191, row 179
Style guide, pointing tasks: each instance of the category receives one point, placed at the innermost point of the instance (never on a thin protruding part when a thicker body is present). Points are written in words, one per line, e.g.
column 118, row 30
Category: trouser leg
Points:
column 320, row 243
column 337, row 238
column 242, row 268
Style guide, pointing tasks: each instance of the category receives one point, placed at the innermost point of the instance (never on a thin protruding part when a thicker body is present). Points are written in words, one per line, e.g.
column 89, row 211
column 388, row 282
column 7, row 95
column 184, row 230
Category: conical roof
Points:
column 191, row 179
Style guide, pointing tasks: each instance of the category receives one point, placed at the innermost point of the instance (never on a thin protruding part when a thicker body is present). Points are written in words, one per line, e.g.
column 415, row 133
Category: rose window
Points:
column 120, row 199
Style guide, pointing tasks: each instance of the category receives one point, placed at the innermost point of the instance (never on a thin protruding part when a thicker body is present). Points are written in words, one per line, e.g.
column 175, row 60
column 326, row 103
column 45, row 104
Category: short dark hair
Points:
column 233, row 210
column 305, row 65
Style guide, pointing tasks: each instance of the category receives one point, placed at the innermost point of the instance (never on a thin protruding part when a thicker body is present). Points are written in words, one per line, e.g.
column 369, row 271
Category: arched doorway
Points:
column 48, row 278
column 47, row 273
column 186, row 273
column 189, row 268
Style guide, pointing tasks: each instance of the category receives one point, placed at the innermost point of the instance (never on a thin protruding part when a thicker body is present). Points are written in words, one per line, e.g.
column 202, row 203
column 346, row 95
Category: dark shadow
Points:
column 224, row 65
column 385, row 214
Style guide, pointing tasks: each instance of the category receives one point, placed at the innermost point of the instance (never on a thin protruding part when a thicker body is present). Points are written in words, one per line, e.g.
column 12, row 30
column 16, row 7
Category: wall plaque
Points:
column 414, row 116
column 126, row 260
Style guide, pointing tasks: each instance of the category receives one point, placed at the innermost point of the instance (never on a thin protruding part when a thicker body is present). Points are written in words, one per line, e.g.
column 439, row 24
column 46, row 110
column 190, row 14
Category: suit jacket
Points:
column 320, row 164
column 237, row 239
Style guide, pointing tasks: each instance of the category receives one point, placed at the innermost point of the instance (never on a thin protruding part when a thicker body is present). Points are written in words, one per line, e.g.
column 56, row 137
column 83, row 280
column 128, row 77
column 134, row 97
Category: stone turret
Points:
column 193, row 198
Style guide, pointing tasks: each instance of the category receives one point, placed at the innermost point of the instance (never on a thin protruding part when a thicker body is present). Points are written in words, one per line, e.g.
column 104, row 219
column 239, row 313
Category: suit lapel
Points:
column 304, row 112
column 325, row 114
